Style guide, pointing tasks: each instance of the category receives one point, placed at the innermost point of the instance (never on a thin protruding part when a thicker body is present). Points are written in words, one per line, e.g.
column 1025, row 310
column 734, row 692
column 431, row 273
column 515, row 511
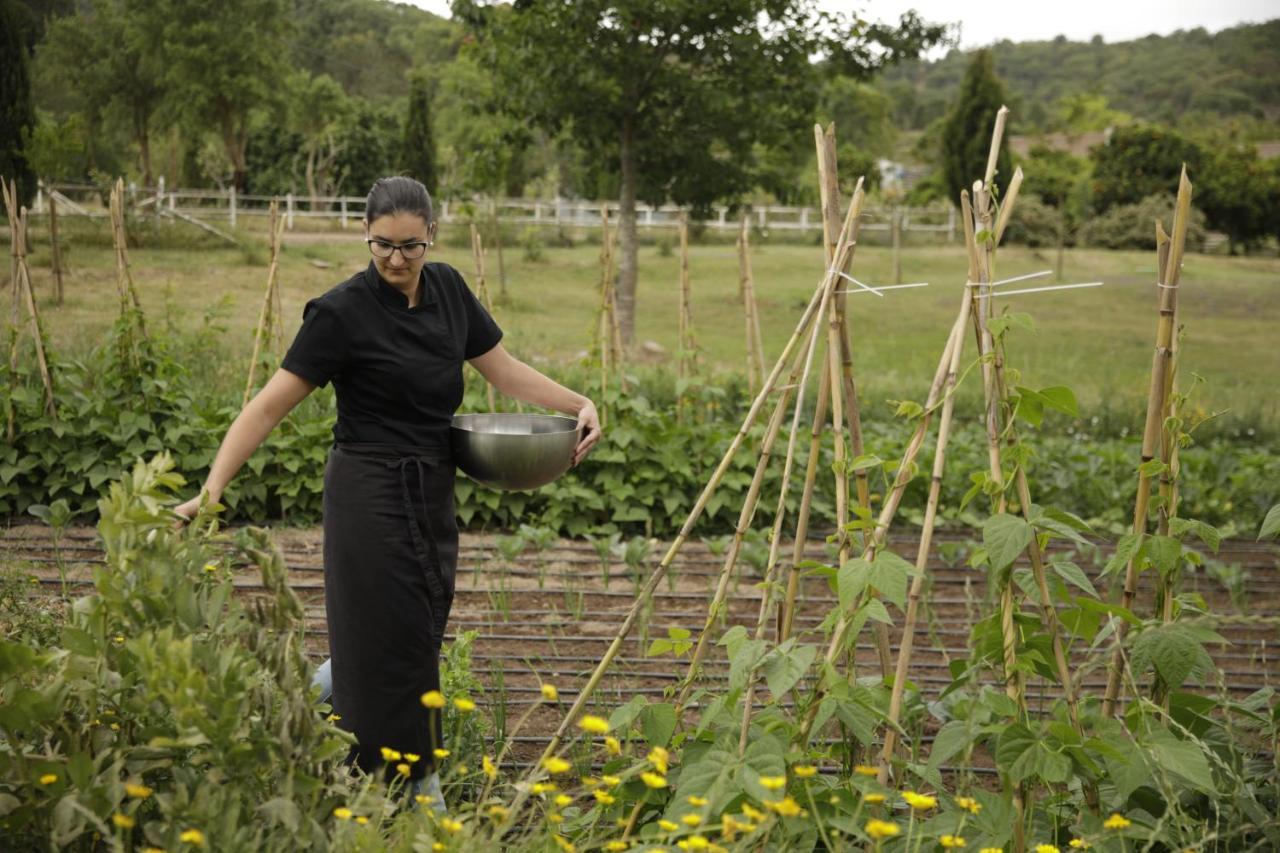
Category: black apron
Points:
column 390, row 558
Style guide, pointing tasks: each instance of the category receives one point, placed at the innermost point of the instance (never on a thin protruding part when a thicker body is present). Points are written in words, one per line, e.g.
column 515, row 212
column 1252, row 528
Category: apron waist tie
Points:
column 424, row 542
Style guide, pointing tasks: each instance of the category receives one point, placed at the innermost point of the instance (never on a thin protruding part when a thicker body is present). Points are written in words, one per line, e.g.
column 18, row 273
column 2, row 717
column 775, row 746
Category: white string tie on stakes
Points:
column 845, row 275
column 1033, row 289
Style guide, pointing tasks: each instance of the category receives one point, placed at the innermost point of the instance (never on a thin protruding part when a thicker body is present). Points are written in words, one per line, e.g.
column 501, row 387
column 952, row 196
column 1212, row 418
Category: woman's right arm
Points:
column 251, row 427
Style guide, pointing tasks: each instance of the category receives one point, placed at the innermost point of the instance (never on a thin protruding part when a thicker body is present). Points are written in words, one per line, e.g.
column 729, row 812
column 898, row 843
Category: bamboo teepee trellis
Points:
column 687, row 346
column 482, row 291
column 23, row 298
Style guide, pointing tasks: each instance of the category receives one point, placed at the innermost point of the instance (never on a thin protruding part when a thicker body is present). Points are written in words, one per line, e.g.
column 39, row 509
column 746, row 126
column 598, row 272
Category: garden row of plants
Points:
column 642, row 479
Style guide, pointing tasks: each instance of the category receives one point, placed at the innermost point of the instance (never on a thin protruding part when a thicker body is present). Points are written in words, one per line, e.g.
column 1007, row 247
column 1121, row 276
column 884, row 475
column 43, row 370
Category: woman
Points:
column 392, row 340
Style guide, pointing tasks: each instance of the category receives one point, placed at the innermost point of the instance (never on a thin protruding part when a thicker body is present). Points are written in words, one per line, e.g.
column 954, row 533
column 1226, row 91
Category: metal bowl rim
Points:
column 462, row 426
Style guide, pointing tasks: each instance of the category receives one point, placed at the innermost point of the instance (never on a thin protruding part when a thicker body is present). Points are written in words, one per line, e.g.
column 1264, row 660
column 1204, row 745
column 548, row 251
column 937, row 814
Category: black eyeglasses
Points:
column 409, row 251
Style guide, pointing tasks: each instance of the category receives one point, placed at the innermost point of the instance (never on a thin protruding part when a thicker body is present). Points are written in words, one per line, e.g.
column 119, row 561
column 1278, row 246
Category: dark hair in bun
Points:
column 398, row 194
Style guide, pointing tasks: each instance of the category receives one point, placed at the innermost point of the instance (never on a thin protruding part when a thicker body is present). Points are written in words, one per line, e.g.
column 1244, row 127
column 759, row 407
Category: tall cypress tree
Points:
column 418, row 153
column 966, row 136
column 17, row 114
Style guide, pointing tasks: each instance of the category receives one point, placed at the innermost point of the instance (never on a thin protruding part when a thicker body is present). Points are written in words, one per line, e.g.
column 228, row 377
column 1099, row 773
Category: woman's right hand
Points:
column 188, row 510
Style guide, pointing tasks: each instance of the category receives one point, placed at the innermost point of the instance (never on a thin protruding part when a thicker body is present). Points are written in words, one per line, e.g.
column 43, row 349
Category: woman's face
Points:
column 397, row 229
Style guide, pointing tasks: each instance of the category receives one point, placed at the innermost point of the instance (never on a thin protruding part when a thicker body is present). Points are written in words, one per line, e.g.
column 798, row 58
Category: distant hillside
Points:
column 1189, row 76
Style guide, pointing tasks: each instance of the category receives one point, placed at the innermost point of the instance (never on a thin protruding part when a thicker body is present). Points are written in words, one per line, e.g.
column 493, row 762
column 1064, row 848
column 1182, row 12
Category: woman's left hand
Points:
column 589, row 424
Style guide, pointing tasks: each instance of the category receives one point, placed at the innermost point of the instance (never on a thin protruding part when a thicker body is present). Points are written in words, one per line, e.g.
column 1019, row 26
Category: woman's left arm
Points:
column 516, row 379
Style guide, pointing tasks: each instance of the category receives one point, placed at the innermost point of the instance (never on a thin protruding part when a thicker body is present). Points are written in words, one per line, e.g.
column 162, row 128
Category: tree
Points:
column 418, row 153
column 966, row 135
column 1141, row 161
column 104, row 54
column 1238, row 193
column 677, row 94
column 224, row 63
column 17, row 115
column 318, row 110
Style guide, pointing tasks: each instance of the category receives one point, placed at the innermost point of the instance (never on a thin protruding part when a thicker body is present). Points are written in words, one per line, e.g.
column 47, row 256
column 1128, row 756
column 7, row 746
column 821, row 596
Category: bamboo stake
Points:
column 10, row 203
column 1160, row 367
column 686, row 529
column 57, row 250
column 684, row 359
column 482, row 289
column 1168, row 437
column 603, row 323
column 747, row 290
column 269, row 317
column 124, row 276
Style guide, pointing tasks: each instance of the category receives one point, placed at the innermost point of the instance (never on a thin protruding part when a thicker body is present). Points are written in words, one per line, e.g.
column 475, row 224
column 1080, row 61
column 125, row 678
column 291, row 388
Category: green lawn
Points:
column 1097, row 341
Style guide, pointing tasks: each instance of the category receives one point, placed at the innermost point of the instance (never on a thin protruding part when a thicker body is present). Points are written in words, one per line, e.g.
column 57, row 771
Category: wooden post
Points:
column 231, row 209
column 895, row 230
column 342, row 208
column 497, row 242
column 747, row 291
column 288, row 201
column 23, row 296
column 56, row 255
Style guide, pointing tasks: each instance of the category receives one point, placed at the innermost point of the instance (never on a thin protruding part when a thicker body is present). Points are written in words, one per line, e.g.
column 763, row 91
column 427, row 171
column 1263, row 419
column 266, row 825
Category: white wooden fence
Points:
column 229, row 206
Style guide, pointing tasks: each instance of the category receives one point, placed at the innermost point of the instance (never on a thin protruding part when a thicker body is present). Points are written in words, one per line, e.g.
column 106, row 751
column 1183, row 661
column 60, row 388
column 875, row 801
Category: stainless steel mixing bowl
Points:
column 513, row 451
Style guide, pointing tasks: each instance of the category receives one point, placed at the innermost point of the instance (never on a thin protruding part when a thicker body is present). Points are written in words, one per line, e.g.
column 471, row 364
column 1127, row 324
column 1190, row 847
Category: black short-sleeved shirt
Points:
column 396, row 370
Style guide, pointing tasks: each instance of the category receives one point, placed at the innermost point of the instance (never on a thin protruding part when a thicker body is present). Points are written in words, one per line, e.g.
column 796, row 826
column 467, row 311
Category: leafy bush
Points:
column 1036, row 224
column 1129, row 226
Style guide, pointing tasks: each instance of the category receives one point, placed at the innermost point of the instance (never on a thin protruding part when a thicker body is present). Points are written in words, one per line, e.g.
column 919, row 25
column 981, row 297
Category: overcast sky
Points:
column 1079, row 20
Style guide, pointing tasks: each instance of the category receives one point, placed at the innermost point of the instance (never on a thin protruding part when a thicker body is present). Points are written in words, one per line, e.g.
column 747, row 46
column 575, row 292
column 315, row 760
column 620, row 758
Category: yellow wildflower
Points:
column 450, row 825
column 590, row 782
column 991, row 850
column 565, row 844
column 787, row 807
column 544, row 787
column 754, row 814
column 555, row 765
column 554, row 817
column 48, row 778
column 433, row 699
column 667, row 825
column 969, row 804
column 774, row 783
column 549, row 692
column 490, row 769
column 210, row 567
column 604, row 797
column 866, row 770
column 805, row 771
column 333, row 718
column 389, row 754
column 653, row 780
column 691, row 820
column 412, row 757
column 696, row 802
column 660, row 759
column 464, row 704
column 694, row 842
column 611, row 781
column 440, row 753
column 594, row 725
column 613, row 745
column 879, row 829
column 616, row 846
column 1047, row 848
column 438, row 846
column 728, row 826
column 1116, row 821
column 563, row 800
column 950, row 841
column 921, row 802
column 138, row 792
column 1080, row 844
column 192, row 836
column 115, row 727
column 423, row 799
column 362, row 820
column 498, row 812
column 873, row 798
column 342, row 813
column 122, row 821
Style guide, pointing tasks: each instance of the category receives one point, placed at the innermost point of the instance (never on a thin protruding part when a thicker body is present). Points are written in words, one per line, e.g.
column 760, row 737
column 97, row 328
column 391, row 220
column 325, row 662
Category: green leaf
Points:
column 1073, row 574
column 1270, row 524
column 851, row 580
column 1183, row 759
column 1164, row 552
column 1206, row 533
column 1005, row 537
column 1060, row 398
column 1126, row 549
column 889, row 573
column 786, row 665
column 658, row 723
column 950, row 739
